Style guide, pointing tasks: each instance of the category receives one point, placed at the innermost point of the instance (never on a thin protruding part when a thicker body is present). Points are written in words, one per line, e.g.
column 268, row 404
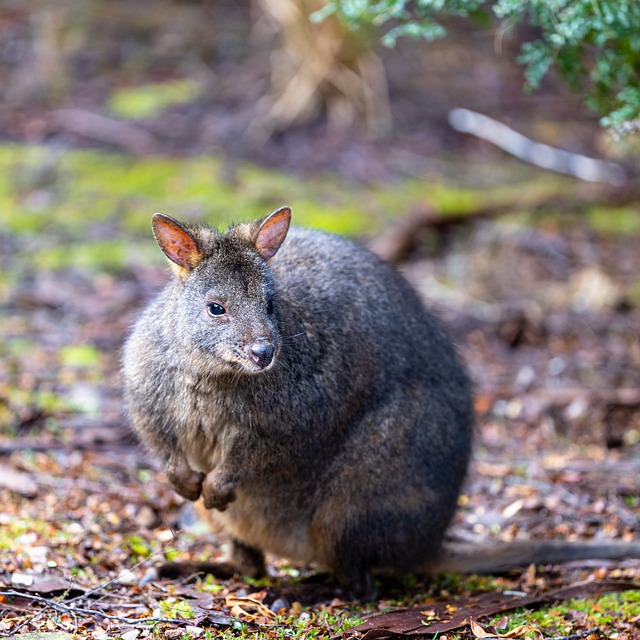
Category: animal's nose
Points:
column 261, row 352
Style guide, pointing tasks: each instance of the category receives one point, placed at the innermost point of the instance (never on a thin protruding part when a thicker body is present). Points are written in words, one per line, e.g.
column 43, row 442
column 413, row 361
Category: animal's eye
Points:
column 215, row 309
column 269, row 307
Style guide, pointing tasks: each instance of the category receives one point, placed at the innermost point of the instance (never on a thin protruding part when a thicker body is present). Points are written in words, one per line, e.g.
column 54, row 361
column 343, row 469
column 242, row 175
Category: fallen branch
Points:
column 540, row 155
column 398, row 242
column 408, row 233
column 101, row 128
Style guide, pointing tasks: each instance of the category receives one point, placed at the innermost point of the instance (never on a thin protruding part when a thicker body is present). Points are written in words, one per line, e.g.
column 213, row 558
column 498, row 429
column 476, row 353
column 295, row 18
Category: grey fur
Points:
column 350, row 448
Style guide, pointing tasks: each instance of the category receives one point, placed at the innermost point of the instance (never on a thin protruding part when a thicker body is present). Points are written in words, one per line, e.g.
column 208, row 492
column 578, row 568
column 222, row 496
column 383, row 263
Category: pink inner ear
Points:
column 272, row 233
column 176, row 242
column 180, row 251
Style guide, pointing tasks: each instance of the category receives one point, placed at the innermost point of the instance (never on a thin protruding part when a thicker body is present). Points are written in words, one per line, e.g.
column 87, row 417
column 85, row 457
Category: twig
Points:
column 575, row 636
column 102, row 587
column 63, row 608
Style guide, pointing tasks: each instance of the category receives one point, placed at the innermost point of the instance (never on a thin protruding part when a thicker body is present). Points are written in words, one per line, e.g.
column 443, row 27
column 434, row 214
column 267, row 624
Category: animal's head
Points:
column 226, row 309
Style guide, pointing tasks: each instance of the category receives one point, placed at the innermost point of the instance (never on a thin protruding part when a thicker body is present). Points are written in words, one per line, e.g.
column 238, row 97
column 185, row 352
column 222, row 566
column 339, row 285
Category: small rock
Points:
column 127, row 577
column 593, row 290
column 145, row 517
column 22, row 579
column 280, row 604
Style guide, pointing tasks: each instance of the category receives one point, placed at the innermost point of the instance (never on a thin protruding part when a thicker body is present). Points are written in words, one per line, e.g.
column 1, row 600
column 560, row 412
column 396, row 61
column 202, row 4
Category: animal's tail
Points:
column 495, row 558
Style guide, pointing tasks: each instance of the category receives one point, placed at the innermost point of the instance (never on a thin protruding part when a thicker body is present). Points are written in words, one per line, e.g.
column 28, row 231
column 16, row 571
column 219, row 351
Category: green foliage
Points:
column 594, row 44
column 139, row 547
column 410, row 19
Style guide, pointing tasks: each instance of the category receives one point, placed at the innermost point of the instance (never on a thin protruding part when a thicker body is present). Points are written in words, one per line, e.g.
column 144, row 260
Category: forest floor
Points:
column 543, row 303
column 543, row 308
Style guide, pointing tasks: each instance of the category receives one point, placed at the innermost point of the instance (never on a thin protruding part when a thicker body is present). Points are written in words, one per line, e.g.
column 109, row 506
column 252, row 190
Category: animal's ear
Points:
column 272, row 232
column 178, row 244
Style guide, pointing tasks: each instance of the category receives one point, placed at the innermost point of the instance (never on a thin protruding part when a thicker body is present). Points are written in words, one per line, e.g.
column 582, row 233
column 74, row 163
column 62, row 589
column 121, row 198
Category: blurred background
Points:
column 216, row 111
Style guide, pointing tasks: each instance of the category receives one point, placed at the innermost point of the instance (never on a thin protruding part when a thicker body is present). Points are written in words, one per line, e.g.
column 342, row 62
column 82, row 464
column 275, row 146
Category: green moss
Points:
column 91, row 210
column 17, row 347
column 449, row 583
column 107, row 256
column 618, row 221
column 85, row 209
column 79, row 356
column 151, row 99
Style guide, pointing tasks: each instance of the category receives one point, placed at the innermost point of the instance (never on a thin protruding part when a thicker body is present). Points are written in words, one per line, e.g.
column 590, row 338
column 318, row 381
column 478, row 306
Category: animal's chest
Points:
column 204, row 424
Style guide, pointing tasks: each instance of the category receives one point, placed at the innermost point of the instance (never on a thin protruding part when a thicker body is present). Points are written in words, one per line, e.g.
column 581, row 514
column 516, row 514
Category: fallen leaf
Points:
column 248, row 607
column 518, row 632
column 512, row 509
column 530, row 576
column 478, row 631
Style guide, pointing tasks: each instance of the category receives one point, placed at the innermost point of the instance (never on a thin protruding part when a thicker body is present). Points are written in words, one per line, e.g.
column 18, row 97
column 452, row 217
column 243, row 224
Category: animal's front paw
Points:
column 218, row 490
column 186, row 481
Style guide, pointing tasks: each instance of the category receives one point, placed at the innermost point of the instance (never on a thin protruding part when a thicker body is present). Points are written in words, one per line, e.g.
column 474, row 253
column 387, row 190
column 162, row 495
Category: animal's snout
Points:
column 261, row 351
